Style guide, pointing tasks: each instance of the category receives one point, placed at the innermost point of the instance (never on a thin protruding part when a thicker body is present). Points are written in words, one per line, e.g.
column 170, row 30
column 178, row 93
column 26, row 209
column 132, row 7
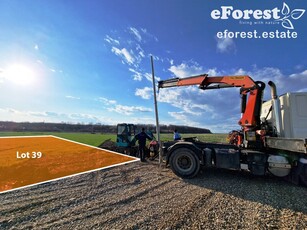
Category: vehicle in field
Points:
column 126, row 142
column 125, row 135
column 272, row 138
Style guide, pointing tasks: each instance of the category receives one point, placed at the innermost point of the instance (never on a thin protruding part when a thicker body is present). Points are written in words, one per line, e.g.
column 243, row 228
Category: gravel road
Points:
column 145, row 196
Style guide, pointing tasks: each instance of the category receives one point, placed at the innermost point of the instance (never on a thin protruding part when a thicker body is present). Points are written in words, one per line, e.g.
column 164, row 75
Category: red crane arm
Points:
column 205, row 82
column 250, row 109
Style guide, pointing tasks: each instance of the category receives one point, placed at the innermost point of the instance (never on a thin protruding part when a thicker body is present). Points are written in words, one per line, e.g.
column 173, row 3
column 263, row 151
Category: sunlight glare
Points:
column 20, row 74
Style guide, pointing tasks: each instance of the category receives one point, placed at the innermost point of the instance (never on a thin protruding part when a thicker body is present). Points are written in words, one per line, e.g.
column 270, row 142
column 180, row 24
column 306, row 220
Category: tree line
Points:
column 89, row 128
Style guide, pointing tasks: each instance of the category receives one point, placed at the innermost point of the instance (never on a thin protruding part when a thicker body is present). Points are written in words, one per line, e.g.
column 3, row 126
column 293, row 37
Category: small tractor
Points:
column 272, row 138
column 126, row 141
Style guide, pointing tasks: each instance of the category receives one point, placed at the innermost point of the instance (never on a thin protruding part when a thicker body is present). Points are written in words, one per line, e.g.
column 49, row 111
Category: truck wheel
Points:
column 184, row 163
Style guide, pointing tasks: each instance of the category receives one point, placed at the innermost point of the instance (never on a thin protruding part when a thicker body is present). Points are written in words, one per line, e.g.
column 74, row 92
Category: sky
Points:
column 79, row 61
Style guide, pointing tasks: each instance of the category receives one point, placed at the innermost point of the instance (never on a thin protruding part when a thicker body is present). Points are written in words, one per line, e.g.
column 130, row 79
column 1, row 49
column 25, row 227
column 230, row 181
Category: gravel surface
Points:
column 145, row 196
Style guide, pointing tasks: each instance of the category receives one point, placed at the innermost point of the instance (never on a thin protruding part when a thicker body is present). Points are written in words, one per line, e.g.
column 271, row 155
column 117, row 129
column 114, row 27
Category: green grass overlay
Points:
column 97, row 139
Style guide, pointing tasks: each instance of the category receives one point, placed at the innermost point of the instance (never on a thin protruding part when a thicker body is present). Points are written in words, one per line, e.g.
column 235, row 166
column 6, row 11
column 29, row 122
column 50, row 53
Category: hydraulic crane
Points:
column 260, row 146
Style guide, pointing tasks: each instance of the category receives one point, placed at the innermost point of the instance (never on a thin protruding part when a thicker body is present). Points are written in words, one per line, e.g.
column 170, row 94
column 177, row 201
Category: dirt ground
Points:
column 145, row 196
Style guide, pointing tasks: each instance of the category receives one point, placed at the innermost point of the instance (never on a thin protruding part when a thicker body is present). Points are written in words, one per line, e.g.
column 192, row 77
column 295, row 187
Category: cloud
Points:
column 144, row 93
column 83, row 116
column 124, row 54
column 10, row 110
column 149, row 35
column 72, row 97
column 302, row 90
column 148, row 76
column 38, row 114
column 191, row 69
column 111, row 41
column 129, row 110
column 285, row 83
column 16, row 115
column 184, row 119
column 132, row 52
column 107, row 101
column 136, row 33
column 141, row 52
column 169, row 95
column 194, row 107
column 137, row 76
column 46, row 114
column 299, row 76
column 27, row 114
column 54, row 114
column 299, row 67
column 113, row 106
column 185, row 99
column 225, row 45
column 240, row 71
column 298, row 81
column 266, row 74
column 2, row 76
column 186, row 70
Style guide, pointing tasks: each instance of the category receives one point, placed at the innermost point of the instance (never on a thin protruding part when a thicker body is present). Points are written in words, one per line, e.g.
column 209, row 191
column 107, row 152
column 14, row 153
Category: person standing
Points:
column 176, row 135
column 141, row 137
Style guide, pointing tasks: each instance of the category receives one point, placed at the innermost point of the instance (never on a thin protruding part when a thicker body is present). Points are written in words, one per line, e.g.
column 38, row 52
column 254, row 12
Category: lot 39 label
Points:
column 28, row 155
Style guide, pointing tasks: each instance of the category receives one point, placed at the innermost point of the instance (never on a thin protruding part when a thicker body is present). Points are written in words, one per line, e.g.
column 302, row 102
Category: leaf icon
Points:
column 285, row 9
column 286, row 23
column 297, row 13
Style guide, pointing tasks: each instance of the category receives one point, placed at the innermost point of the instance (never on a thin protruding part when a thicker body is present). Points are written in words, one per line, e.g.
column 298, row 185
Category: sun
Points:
column 20, row 74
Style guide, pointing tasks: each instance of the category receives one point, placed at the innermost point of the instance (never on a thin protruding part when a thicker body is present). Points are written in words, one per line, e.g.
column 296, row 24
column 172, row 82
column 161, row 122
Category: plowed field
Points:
column 30, row 160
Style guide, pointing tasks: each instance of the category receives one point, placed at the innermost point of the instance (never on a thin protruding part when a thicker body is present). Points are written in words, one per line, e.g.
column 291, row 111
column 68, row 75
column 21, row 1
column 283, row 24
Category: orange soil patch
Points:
column 47, row 158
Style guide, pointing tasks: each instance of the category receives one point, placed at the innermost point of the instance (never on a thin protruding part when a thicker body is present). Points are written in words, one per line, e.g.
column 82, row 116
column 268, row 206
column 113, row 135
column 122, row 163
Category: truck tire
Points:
column 184, row 163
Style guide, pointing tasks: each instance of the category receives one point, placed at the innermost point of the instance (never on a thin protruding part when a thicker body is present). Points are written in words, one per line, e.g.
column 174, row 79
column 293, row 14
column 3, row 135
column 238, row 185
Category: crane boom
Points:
column 206, row 82
column 251, row 93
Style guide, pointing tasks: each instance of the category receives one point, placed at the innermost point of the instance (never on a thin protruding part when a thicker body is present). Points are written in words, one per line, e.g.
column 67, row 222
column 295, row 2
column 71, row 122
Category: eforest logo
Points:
column 284, row 15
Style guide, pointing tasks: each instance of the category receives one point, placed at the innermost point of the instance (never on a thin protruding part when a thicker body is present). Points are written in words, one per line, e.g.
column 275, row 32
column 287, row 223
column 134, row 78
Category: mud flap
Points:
column 299, row 173
column 302, row 172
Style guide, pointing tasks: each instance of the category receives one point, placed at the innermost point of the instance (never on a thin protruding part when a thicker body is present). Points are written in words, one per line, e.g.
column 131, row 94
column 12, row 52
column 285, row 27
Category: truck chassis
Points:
column 185, row 158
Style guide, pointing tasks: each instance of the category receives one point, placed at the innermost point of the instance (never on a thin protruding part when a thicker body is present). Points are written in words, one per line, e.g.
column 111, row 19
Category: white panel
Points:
column 293, row 114
column 299, row 114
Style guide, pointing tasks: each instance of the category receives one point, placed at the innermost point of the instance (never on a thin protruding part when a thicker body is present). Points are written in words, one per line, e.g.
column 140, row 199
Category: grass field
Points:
column 97, row 139
column 85, row 138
